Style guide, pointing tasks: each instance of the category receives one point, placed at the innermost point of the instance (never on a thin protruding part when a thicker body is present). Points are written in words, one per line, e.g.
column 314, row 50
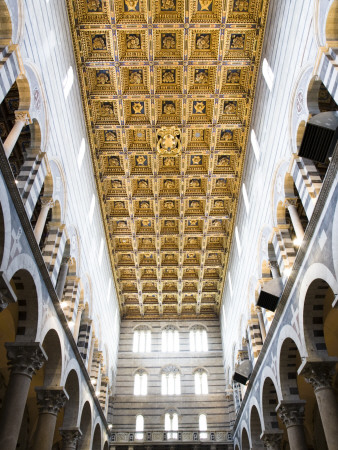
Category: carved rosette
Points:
column 25, row 358
column 319, row 374
column 291, row 413
column 51, row 399
column 70, row 437
column 169, row 143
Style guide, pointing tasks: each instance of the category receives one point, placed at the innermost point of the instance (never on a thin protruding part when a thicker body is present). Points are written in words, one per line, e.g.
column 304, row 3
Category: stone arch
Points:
column 6, row 27
column 269, row 402
column 331, row 26
column 53, row 366
column 319, row 98
column 16, row 11
column 245, row 439
column 59, row 187
column 26, row 286
column 97, row 438
column 74, row 243
column 255, row 428
column 85, row 427
column 24, row 93
column 289, row 362
column 5, row 227
column 71, row 409
column 106, row 447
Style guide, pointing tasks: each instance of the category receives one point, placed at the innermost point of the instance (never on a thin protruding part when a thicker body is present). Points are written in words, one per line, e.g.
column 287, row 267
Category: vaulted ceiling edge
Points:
column 168, row 89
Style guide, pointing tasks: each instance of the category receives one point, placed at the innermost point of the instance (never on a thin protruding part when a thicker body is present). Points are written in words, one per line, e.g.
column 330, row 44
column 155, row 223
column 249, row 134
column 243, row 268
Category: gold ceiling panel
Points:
column 191, row 65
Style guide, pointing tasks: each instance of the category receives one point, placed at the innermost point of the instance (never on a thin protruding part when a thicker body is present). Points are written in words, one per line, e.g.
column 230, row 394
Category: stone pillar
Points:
column 50, row 400
column 292, row 415
column 290, row 204
column 24, row 359
column 272, row 439
column 46, row 203
column 70, row 437
column 274, row 269
column 62, row 277
column 21, row 119
column 258, row 310
column 319, row 375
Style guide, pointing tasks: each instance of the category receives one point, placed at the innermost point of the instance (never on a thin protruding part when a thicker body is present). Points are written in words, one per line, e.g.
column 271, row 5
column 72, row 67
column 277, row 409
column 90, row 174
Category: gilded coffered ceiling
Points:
column 168, row 89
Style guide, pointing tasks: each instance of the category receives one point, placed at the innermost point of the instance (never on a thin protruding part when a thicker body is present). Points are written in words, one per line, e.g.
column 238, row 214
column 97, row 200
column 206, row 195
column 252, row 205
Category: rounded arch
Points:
column 24, row 93
column 97, row 438
column 53, row 366
column 317, row 281
column 255, row 428
column 331, row 26
column 106, row 447
column 25, row 281
column 59, row 190
column 16, row 12
column 278, row 191
column 289, row 362
column 5, row 227
column 85, row 427
column 6, row 26
column 71, row 409
column 245, row 439
column 269, row 402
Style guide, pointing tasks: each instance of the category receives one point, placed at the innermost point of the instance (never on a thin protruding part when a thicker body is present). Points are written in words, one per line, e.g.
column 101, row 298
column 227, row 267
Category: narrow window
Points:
column 142, row 341
column 255, row 144
column 140, row 383
column 139, row 427
column 171, row 383
column 171, row 425
column 198, row 340
column 201, row 382
column 203, row 426
column 170, row 340
column 267, row 74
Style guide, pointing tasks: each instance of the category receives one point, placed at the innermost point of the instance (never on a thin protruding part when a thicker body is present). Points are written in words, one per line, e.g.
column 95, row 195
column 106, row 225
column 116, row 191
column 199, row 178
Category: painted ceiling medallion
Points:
column 169, row 141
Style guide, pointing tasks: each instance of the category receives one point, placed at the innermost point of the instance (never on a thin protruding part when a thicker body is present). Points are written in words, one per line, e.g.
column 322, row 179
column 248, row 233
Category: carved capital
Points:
column 291, row 413
column 70, row 437
column 25, row 358
column 23, row 116
column 272, row 439
column 290, row 202
column 319, row 374
column 50, row 399
column 47, row 202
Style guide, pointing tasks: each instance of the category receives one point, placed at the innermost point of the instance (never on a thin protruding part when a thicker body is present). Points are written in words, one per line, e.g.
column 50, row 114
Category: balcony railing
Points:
column 172, row 436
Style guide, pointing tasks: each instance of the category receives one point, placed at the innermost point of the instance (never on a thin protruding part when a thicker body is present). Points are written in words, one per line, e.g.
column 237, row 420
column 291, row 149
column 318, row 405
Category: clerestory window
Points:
column 201, row 382
column 202, row 426
column 140, row 383
column 170, row 340
column 139, row 427
column 171, row 382
column 142, row 340
column 198, row 339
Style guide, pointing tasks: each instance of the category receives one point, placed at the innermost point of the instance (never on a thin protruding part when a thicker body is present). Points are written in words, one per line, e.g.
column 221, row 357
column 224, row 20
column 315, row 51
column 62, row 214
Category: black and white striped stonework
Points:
column 9, row 71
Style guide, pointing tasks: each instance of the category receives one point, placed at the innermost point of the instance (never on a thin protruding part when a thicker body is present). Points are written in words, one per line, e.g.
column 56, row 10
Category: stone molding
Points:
column 50, row 399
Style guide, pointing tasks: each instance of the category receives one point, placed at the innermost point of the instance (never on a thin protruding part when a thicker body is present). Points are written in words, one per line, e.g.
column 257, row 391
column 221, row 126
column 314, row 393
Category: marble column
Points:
column 259, row 312
column 319, row 374
column 62, row 277
column 24, row 359
column 22, row 118
column 292, row 415
column 272, row 439
column 50, row 400
column 70, row 437
column 46, row 204
column 290, row 204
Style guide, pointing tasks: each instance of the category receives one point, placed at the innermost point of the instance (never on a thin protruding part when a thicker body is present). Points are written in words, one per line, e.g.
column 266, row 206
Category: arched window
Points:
column 198, row 339
column 201, row 382
column 171, row 424
column 140, row 383
column 267, row 74
column 142, row 340
column 170, row 340
column 171, row 381
column 139, row 427
column 202, row 426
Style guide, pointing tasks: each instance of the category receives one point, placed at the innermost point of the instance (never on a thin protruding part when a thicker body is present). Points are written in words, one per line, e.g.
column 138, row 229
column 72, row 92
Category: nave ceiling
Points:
column 167, row 89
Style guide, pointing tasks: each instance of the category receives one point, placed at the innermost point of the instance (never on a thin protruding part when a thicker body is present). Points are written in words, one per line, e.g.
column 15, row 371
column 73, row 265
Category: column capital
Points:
column 51, row 399
column 318, row 373
column 272, row 438
column 23, row 116
column 47, row 201
column 273, row 264
column 291, row 201
column 291, row 412
column 70, row 436
column 25, row 358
